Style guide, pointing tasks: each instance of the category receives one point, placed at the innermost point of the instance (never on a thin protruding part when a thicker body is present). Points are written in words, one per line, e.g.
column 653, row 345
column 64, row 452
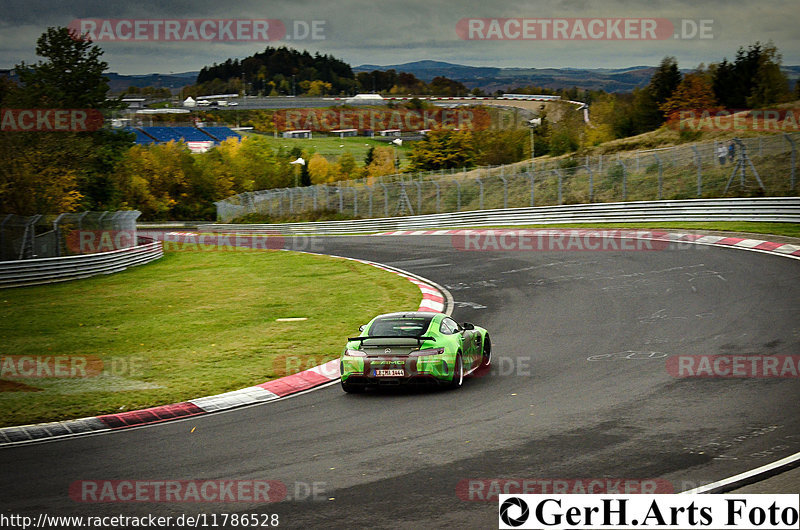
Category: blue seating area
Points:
column 220, row 133
column 141, row 137
column 149, row 135
column 187, row 134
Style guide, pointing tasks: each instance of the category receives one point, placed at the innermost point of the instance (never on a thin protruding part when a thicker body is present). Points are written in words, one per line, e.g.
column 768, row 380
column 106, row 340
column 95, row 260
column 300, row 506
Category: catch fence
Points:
column 67, row 234
column 754, row 167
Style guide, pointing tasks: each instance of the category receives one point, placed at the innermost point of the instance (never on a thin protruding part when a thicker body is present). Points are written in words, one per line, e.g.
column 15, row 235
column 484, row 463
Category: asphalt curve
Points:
column 546, row 411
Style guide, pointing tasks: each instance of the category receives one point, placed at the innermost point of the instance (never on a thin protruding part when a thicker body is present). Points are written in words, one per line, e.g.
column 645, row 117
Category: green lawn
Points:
column 332, row 147
column 190, row 325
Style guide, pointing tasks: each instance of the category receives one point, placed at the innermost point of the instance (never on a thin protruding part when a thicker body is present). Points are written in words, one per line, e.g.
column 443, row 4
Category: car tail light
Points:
column 422, row 353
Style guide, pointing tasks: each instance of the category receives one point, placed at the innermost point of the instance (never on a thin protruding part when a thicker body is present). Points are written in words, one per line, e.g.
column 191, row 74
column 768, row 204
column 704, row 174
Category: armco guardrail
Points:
column 50, row 270
column 781, row 209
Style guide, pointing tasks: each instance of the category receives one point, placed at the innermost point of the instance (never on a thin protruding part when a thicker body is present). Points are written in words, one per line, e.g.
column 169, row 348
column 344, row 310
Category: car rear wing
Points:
column 392, row 339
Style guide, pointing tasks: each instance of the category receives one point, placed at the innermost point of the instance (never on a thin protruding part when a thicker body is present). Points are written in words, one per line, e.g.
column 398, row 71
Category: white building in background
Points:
column 134, row 103
column 365, row 99
column 300, row 133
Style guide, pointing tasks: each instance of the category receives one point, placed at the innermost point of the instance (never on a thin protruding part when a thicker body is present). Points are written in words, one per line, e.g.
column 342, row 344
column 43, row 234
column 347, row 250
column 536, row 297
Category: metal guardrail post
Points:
column 793, row 160
column 660, row 174
column 438, row 197
column 533, row 190
column 290, row 192
column 385, row 199
column 80, row 220
column 480, row 183
column 505, row 190
column 558, row 174
column 458, row 196
column 591, row 183
column 56, row 229
column 269, row 202
column 355, row 201
column 699, row 163
column 27, row 237
column 625, row 181
column 419, row 196
column 341, row 196
column 3, row 235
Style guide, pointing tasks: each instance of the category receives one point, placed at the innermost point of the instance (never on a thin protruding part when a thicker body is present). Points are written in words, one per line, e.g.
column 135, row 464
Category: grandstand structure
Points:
column 199, row 139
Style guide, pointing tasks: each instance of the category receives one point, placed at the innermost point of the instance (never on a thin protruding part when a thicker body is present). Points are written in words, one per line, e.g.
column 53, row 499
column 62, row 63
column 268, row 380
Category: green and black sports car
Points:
column 414, row 347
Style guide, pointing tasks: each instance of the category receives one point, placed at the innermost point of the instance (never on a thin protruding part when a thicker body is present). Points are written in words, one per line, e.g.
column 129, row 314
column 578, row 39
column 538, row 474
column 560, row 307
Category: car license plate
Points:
column 389, row 373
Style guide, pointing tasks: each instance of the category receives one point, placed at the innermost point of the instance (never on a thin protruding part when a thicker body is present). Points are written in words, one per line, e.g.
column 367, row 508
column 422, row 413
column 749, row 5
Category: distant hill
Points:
column 490, row 79
column 118, row 82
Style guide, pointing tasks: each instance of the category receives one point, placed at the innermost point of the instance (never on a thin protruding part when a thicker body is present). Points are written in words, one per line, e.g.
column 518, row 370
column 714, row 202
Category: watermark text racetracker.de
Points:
column 326, row 120
column 191, row 241
column 195, row 491
column 583, row 29
column 196, row 30
column 579, row 240
column 734, row 366
column 50, row 120
column 732, row 120
column 70, row 366
column 490, row 489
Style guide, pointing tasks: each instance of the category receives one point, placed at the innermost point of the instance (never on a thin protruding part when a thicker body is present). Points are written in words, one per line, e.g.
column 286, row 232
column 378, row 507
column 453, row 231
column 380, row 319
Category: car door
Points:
column 466, row 339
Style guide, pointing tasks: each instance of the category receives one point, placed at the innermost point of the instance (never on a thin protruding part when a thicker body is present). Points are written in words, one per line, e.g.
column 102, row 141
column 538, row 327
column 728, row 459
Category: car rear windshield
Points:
column 399, row 327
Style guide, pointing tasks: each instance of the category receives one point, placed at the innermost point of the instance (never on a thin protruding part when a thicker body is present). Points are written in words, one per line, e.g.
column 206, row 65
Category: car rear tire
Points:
column 487, row 352
column 458, row 373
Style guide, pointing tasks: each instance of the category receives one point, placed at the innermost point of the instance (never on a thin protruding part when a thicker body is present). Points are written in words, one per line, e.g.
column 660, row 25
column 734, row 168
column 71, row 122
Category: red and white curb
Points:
column 434, row 298
column 780, row 249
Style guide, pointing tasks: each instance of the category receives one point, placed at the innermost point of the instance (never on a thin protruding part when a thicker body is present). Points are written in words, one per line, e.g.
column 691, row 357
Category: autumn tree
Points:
column 693, row 92
column 345, row 167
column 443, row 150
column 54, row 172
column 157, row 178
column 383, row 162
column 319, row 169
column 39, row 173
column 603, row 111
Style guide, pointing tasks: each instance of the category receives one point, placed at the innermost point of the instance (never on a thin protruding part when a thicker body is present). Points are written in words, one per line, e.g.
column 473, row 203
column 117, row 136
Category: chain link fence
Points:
column 67, row 234
column 752, row 167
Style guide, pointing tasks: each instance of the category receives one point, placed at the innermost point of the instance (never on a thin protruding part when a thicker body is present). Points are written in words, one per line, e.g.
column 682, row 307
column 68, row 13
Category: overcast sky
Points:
column 397, row 31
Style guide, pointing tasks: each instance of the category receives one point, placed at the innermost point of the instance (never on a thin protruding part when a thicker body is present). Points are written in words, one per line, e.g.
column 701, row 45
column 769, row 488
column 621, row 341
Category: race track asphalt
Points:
column 579, row 390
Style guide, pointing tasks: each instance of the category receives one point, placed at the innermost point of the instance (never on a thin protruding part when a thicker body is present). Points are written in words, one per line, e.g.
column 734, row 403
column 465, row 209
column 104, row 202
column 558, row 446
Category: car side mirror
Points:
column 467, row 326
column 361, row 327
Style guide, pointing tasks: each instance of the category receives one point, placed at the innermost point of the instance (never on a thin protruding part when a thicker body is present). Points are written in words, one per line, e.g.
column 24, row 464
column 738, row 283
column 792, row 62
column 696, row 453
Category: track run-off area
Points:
column 582, row 391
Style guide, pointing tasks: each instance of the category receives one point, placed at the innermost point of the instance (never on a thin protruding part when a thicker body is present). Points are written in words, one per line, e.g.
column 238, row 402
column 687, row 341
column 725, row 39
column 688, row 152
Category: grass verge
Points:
column 190, row 325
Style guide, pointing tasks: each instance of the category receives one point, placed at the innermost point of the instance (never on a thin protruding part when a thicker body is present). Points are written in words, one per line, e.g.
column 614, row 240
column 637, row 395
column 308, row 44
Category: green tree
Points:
column 770, row 85
column 345, row 166
column 70, row 77
column 665, row 80
column 443, row 150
